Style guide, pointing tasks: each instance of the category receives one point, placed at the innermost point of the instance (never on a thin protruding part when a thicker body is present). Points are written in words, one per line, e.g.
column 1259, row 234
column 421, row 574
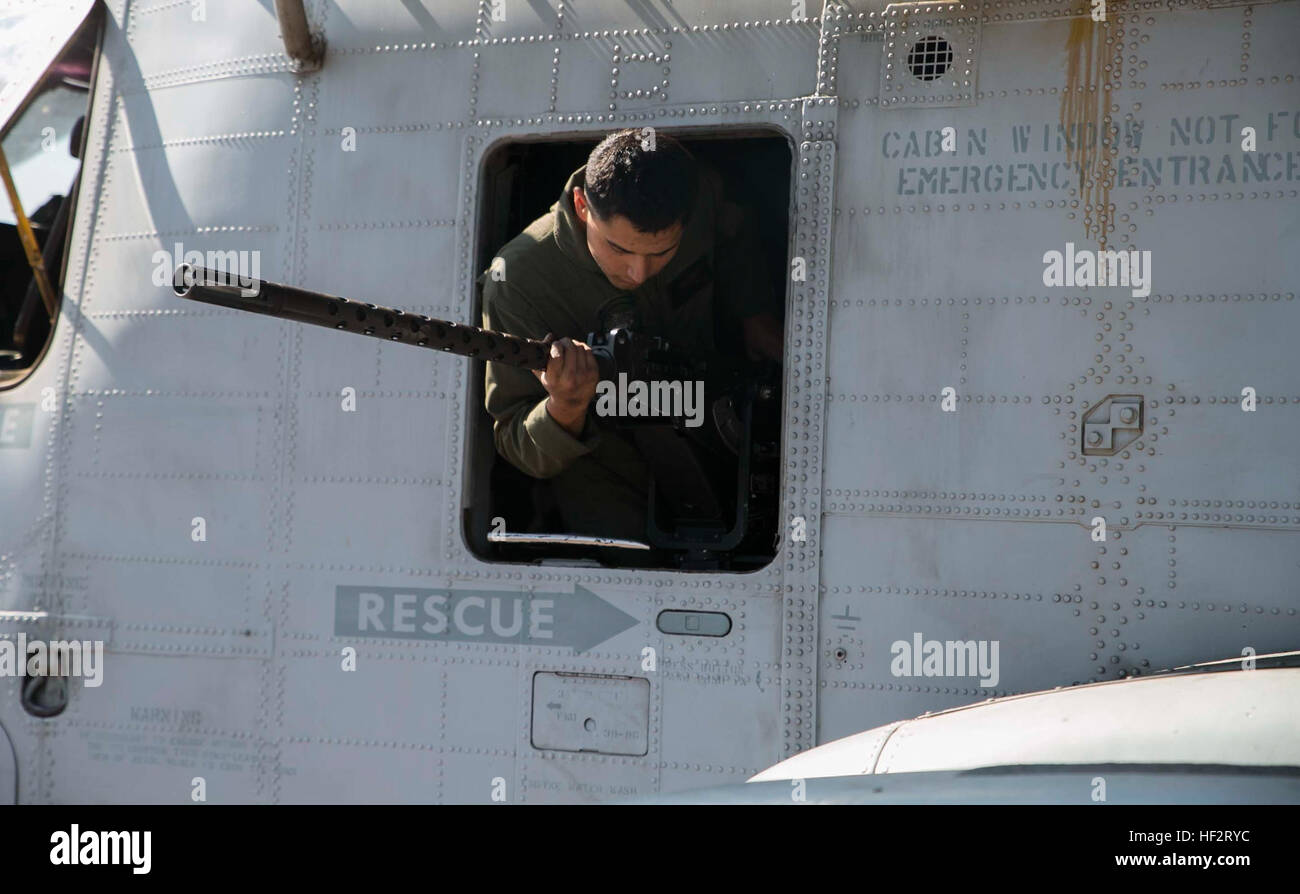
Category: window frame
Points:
column 94, row 20
column 474, row 409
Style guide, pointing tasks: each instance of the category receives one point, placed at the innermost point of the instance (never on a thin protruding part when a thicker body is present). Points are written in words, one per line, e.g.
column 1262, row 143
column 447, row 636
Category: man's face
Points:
column 627, row 256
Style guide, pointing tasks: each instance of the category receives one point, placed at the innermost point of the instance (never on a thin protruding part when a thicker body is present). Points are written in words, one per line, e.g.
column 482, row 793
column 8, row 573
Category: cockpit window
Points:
column 39, row 149
column 47, row 57
column 684, row 471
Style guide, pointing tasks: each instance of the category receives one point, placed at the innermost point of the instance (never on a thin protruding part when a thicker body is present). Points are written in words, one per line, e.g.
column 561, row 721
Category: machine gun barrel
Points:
column 319, row 309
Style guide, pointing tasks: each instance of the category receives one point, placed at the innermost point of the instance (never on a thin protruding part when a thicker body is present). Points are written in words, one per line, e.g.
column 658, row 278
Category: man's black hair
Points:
column 649, row 178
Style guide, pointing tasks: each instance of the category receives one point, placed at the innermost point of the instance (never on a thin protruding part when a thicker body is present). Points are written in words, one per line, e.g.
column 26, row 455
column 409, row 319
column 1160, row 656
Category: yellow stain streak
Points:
column 1085, row 105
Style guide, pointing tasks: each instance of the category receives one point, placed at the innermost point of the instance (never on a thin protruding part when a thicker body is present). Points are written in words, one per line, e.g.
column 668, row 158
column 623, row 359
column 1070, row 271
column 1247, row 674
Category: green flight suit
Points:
column 549, row 283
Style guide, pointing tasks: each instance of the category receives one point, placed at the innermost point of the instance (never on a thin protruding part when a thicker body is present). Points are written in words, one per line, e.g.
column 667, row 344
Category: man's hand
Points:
column 763, row 337
column 570, row 380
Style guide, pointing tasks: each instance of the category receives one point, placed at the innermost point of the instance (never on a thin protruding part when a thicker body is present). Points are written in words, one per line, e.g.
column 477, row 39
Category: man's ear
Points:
column 580, row 203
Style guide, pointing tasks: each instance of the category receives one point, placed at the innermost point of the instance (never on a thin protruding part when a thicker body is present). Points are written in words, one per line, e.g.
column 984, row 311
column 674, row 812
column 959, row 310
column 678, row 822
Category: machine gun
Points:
column 713, row 485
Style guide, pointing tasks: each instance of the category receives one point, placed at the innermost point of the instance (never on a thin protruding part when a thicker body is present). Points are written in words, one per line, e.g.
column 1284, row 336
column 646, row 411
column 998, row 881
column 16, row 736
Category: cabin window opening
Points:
column 713, row 495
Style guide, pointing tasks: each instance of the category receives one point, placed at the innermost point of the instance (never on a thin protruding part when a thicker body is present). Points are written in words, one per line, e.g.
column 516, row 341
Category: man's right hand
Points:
column 570, row 380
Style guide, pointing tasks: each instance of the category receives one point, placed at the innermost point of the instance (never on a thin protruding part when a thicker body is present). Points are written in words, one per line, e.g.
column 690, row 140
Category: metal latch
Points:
column 1112, row 424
